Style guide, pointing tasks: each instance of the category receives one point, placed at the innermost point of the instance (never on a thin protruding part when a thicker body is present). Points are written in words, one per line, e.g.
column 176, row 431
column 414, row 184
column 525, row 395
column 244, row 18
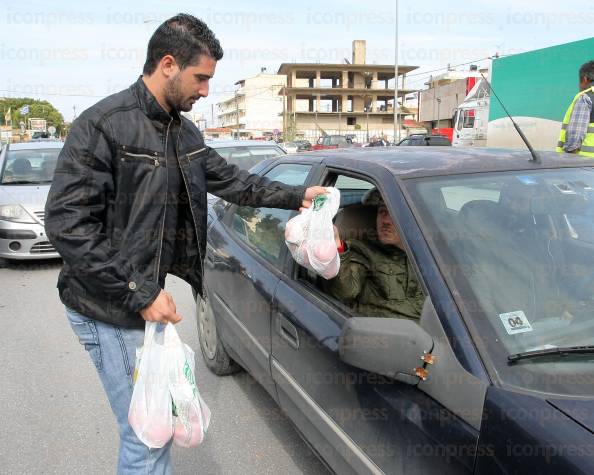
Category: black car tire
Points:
column 215, row 356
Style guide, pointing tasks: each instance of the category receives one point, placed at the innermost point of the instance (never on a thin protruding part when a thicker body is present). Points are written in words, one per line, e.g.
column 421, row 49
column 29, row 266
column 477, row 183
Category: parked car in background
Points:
column 495, row 377
column 424, row 140
column 296, row 146
column 303, row 145
column 377, row 142
column 334, row 141
column 289, row 147
column 26, row 173
column 246, row 153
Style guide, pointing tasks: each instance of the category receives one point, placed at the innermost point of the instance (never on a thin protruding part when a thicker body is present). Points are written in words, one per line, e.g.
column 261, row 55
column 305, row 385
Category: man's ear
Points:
column 168, row 66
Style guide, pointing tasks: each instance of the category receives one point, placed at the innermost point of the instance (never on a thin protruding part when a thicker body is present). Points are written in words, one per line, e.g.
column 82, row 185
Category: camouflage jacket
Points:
column 377, row 281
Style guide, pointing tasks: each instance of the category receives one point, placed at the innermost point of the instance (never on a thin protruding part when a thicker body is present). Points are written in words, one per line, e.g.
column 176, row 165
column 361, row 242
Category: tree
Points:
column 38, row 109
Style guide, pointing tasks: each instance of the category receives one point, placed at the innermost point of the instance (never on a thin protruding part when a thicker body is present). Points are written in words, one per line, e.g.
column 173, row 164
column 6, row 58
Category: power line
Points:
column 449, row 67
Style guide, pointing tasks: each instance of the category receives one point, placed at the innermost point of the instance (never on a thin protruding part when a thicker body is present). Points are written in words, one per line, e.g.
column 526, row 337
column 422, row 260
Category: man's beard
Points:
column 174, row 97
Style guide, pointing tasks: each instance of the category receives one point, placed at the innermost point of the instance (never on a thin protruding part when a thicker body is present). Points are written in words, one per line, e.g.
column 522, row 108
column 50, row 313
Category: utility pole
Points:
column 237, row 113
column 285, row 114
column 396, row 117
column 438, row 116
column 212, row 121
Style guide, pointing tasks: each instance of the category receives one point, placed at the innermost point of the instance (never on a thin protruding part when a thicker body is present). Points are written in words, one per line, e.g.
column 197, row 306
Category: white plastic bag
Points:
column 165, row 401
column 150, row 408
column 192, row 415
column 310, row 235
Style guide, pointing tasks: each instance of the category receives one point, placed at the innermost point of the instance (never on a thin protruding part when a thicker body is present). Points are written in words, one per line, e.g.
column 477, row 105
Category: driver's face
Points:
column 386, row 230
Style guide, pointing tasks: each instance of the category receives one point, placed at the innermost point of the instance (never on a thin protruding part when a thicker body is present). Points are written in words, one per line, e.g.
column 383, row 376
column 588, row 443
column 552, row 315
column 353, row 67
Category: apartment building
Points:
column 354, row 98
column 256, row 107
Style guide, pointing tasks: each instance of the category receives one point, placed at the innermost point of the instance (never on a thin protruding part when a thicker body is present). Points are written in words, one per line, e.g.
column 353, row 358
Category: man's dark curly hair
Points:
column 587, row 71
column 184, row 37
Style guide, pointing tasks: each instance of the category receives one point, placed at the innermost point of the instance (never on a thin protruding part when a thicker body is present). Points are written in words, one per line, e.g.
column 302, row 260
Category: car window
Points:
column 351, row 189
column 440, row 141
column 263, row 229
column 375, row 278
column 31, row 166
column 246, row 156
column 518, row 251
column 465, row 119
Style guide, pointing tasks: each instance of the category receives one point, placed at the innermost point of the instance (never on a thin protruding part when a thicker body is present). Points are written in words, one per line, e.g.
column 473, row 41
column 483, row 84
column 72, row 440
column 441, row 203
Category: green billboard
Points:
column 539, row 83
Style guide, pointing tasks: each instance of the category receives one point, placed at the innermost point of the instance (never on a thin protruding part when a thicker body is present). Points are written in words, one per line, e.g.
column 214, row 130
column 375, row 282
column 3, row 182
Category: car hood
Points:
column 30, row 196
column 580, row 410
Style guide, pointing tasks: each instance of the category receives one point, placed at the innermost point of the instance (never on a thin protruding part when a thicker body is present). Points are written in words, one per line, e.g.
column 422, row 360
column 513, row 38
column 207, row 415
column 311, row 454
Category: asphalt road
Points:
column 56, row 419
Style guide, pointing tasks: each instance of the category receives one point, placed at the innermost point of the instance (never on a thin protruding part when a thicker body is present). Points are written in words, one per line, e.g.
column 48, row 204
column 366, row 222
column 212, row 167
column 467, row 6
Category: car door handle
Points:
column 287, row 331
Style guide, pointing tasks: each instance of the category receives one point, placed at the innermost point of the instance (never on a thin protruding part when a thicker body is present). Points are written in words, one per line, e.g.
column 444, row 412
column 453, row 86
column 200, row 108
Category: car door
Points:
column 358, row 421
column 243, row 255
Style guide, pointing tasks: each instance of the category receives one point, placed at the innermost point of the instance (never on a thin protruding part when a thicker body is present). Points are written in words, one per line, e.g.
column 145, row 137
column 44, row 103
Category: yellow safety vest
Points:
column 587, row 148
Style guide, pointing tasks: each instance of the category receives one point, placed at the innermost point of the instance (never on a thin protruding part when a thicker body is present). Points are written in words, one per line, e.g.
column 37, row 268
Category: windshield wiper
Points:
column 560, row 351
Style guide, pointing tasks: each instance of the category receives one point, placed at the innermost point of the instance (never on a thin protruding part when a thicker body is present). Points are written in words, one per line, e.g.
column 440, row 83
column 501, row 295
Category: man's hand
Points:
column 311, row 193
column 162, row 310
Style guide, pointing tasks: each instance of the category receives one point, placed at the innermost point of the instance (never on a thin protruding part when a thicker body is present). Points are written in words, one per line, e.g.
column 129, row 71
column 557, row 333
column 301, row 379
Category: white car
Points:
column 290, row 147
column 246, row 153
column 26, row 172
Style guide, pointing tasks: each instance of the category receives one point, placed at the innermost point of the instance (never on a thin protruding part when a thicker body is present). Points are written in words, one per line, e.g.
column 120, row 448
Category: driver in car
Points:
column 376, row 278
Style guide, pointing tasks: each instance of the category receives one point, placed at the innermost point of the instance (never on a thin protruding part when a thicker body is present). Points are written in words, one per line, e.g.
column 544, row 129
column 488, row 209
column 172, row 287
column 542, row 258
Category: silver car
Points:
column 246, row 153
column 26, row 172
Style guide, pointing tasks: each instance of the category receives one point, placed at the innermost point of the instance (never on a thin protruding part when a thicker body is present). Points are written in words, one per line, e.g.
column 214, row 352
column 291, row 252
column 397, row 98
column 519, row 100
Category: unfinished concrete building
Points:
column 352, row 98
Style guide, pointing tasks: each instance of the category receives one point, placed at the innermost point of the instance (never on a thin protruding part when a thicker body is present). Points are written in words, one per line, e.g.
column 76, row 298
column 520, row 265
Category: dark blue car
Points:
column 498, row 376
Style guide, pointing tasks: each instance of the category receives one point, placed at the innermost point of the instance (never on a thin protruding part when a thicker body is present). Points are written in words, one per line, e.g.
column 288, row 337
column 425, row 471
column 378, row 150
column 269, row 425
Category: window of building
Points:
column 351, row 121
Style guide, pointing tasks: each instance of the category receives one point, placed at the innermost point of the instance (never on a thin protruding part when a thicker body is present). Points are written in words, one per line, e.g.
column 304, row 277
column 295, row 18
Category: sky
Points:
column 73, row 54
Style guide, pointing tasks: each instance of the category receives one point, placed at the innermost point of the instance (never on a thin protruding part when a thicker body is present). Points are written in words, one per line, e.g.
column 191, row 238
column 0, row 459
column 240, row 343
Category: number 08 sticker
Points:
column 515, row 322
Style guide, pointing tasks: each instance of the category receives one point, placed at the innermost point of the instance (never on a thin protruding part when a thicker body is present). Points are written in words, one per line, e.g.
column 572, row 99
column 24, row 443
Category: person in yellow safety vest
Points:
column 577, row 131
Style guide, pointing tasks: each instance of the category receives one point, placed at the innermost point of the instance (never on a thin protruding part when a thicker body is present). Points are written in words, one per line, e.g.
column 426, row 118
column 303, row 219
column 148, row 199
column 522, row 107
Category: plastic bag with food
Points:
column 310, row 235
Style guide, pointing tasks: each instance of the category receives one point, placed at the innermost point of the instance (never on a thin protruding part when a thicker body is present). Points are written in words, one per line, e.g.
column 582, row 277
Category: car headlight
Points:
column 16, row 214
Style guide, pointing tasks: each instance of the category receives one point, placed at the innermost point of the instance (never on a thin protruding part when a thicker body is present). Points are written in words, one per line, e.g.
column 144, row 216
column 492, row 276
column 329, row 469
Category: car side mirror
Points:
column 396, row 348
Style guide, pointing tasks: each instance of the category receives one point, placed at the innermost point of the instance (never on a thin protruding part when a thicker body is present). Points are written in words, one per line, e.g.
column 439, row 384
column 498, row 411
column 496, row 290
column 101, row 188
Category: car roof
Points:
column 413, row 162
column 240, row 143
column 36, row 144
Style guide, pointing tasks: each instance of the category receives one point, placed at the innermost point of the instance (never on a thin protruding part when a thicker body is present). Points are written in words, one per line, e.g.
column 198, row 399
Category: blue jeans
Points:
column 113, row 352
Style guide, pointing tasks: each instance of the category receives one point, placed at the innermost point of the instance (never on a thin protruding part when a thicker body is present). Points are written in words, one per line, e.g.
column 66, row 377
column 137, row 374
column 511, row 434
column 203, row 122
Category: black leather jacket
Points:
column 105, row 209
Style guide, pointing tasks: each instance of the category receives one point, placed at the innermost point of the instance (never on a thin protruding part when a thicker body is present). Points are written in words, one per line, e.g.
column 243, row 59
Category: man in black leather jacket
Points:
column 128, row 206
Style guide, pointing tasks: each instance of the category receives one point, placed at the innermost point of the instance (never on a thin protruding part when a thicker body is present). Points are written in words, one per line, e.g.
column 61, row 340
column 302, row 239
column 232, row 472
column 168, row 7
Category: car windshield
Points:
column 517, row 250
column 246, row 156
column 31, row 166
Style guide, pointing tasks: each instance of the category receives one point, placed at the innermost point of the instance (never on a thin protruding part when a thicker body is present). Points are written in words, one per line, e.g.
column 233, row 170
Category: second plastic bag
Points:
column 165, row 402
column 150, row 408
column 310, row 235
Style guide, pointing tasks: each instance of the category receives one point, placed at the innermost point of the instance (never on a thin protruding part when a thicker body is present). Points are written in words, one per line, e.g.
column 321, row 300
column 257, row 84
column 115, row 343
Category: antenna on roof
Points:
column 535, row 157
